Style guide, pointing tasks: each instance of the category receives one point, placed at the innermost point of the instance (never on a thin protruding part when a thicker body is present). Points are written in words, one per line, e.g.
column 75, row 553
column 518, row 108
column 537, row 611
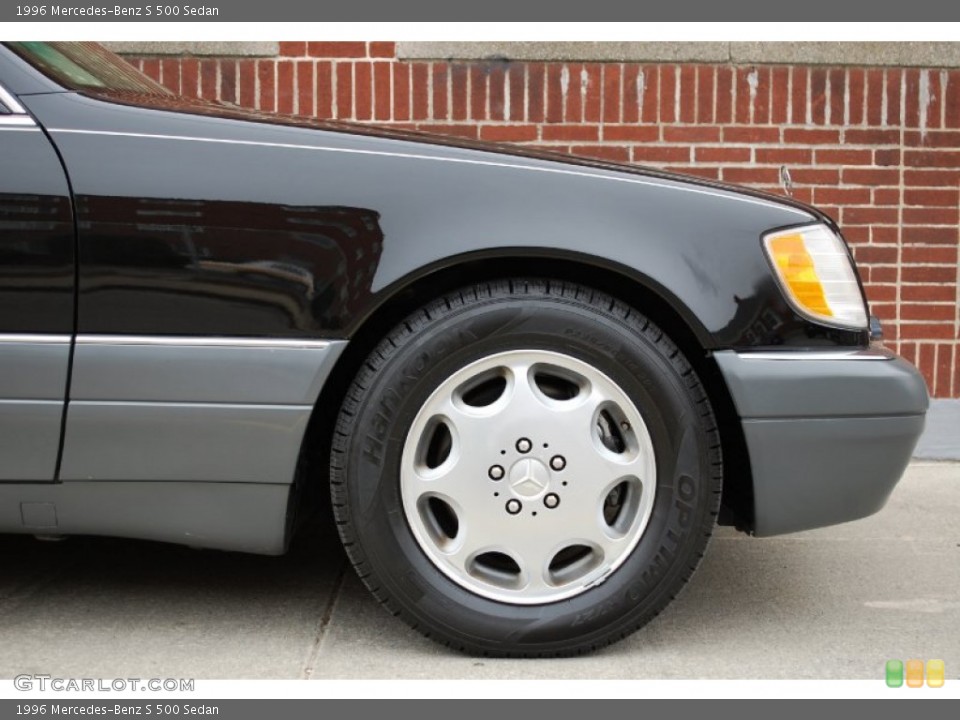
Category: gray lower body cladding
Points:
column 247, row 517
column 160, row 409
column 191, row 442
column 33, row 380
column 187, row 440
column 829, row 435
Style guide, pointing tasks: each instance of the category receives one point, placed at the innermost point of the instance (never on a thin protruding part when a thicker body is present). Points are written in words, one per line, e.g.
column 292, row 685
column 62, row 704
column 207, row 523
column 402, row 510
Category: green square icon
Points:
column 894, row 673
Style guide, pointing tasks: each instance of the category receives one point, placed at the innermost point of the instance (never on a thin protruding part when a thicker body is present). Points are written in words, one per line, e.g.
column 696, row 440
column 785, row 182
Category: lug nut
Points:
column 495, row 472
column 558, row 462
column 551, row 500
column 514, row 506
column 524, row 445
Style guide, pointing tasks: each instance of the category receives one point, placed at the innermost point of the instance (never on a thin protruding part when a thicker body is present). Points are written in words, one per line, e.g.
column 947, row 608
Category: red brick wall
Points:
column 876, row 148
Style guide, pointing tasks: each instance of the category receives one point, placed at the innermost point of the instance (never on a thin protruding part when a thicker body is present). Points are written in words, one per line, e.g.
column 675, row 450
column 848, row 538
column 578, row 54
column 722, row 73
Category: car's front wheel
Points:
column 526, row 468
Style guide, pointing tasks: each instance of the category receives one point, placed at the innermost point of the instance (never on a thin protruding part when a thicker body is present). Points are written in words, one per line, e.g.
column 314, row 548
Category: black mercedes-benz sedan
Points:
column 533, row 384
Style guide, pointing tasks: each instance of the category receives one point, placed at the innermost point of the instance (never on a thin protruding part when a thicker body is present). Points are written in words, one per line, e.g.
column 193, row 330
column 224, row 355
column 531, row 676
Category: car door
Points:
column 36, row 296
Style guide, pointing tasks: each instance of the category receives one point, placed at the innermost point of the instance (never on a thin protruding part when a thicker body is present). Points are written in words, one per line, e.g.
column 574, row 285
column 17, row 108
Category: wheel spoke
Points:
column 590, row 529
column 476, row 538
column 534, row 550
column 469, row 422
column 590, row 458
column 470, row 434
column 523, row 402
column 466, row 487
column 601, row 466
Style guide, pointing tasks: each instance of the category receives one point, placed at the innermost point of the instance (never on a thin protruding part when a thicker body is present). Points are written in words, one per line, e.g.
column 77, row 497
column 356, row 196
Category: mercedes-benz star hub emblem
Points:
column 529, row 477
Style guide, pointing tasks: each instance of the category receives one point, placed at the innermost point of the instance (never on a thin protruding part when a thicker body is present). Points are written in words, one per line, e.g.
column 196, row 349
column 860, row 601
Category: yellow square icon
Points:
column 914, row 673
column 935, row 673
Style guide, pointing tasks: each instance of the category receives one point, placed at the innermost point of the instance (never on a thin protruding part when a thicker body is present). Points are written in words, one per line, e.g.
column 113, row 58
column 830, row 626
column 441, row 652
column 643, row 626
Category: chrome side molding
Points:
column 34, row 339
column 201, row 341
column 819, row 355
column 227, row 370
column 17, row 122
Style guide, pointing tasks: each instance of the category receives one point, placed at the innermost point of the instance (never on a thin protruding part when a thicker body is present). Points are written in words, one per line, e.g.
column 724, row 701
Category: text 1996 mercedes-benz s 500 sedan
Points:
column 533, row 384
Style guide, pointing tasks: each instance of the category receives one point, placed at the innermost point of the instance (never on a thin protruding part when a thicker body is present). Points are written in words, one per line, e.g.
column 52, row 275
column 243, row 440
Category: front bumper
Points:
column 829, row 433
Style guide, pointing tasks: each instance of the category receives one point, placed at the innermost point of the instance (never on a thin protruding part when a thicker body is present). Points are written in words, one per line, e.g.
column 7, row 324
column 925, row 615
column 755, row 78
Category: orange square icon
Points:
column 914, row 673
column 935, row 673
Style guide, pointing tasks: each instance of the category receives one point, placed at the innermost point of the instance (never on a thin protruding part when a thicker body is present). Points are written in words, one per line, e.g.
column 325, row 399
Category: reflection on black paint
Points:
column 765, row 319
column 36, row 264
column 160, row 266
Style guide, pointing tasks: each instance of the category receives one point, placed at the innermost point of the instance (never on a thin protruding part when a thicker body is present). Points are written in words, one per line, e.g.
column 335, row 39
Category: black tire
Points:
column 462, row 327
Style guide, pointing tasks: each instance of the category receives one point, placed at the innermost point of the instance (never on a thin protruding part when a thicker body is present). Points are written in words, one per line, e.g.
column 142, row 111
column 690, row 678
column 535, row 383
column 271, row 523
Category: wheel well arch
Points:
column 404, row 297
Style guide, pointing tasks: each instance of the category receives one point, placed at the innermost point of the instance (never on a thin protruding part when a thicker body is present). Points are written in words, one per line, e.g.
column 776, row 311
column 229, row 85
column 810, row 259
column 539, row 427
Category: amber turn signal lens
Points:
column 817, row 275
column 799, row 273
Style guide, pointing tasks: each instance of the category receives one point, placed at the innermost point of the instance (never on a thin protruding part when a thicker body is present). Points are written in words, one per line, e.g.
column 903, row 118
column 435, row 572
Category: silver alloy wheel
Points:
column 528, row 477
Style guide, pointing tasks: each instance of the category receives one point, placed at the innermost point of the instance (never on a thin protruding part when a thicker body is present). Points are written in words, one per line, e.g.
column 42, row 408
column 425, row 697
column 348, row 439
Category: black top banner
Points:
column 487, row 11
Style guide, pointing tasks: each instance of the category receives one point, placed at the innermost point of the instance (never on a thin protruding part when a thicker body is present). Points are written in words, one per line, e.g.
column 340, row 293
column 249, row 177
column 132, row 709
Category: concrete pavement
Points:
column 831, row 603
